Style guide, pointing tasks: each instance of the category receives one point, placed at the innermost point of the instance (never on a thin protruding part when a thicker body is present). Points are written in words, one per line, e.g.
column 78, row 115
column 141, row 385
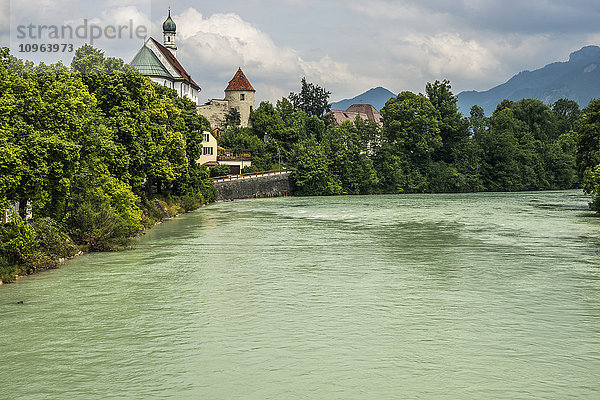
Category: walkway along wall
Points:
column 254, row 186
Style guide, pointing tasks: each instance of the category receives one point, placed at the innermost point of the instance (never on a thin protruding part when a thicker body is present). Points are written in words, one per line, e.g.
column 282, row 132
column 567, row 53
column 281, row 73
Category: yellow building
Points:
column 209, row 150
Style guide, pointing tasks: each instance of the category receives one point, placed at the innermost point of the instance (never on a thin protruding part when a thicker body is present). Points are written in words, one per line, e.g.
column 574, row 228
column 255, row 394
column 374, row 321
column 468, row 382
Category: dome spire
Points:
column 169, row 32
column 169, row 24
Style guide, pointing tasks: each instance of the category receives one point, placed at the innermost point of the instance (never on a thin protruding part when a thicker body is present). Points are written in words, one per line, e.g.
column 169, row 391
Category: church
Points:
column 159, row 62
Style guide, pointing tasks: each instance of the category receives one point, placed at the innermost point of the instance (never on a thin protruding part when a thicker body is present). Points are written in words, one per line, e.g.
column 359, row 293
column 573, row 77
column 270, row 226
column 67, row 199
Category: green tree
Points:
column 312, row 99
column 349, row 162
column 588, row 151
column 568, row 114
column 267, row 120
column 500, row 148
column 454, row 128
column 538, row 117
column 410, row 123
column 232, row 118
column 311, row 175
column 478, row 122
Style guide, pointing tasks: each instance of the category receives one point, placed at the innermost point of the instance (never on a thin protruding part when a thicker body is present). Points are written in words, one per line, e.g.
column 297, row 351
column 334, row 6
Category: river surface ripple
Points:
column 464, row 296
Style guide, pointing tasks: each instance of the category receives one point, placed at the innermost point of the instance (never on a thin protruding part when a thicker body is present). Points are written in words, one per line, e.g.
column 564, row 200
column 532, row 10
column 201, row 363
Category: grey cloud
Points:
column 508, row 16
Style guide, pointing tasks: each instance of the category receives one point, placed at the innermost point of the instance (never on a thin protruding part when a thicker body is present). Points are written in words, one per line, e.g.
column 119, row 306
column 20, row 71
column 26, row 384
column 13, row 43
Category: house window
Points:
column 207, row 151
column 207, row 137
column 242, row 97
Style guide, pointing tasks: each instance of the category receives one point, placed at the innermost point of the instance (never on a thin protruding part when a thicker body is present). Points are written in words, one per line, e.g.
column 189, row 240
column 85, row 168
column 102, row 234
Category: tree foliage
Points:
column 588, row 151
column 87, row 146
column 312, row 99
column 426, row 145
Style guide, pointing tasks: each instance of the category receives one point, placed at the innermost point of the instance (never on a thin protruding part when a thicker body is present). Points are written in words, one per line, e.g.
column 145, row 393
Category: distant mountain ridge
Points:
column 375, row 97
column 577, row 79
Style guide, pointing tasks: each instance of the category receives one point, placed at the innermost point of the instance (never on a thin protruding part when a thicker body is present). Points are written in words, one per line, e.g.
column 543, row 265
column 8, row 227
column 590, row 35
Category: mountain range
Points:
column 577, row 79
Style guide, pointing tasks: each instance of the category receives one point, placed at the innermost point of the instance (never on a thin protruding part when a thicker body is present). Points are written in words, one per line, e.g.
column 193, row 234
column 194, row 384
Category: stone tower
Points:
column 240, row 96
column 169, row 32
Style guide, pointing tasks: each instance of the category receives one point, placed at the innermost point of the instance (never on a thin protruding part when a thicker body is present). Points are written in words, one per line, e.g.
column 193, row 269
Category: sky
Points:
column 345, row 46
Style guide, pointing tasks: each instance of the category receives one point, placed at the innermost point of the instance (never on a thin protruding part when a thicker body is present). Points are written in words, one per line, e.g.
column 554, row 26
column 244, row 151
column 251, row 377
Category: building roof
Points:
column 148, row 64
column 364, row 111
column 239, row 83
column 173, row 61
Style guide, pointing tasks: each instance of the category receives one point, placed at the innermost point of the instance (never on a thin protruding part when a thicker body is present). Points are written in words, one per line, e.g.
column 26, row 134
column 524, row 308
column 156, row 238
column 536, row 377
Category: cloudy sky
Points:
column 346, row 46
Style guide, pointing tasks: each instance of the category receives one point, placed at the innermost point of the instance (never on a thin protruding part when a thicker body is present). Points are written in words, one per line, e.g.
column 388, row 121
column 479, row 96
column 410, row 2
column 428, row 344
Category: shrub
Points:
column 17, row 240
column 190, row 202
column 220, row 170
column 53, row 241
column 99, row 228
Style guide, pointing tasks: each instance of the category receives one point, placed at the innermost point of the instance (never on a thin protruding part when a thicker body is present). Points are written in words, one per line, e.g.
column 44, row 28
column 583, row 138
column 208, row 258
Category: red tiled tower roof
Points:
column 239, row 83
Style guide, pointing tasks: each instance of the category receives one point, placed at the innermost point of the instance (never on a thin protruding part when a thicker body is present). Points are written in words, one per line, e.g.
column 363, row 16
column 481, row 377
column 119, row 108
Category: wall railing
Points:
column 229, row 178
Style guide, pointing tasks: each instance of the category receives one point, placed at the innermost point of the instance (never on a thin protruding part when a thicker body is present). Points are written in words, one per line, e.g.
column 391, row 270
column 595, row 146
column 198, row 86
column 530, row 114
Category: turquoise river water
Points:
column 464, row 296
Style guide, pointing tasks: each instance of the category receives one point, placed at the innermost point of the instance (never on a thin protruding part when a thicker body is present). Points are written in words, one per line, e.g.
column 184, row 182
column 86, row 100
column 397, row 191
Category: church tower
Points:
column 240, row 95
column 169, row 33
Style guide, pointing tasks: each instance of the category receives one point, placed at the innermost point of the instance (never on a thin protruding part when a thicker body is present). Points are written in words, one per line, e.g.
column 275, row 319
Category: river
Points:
column 462, row 296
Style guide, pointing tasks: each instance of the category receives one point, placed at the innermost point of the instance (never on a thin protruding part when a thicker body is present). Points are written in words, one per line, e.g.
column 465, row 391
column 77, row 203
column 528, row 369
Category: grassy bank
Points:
column 27, row 247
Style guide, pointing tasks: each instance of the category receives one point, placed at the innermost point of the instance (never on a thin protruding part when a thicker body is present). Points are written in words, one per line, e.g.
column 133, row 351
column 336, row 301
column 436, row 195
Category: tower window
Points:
column 242, row 97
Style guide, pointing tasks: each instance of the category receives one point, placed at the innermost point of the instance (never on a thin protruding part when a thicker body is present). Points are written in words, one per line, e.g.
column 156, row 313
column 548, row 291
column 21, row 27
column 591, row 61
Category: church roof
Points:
column 149, row 65
column 173, row 61
column 239, row 83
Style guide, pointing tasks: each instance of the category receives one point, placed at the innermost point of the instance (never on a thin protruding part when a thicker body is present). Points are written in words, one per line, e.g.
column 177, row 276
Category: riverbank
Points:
column 44, row 244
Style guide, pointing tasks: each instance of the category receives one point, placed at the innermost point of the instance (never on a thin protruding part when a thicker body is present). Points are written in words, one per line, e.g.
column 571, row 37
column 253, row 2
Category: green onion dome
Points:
column 169, row 24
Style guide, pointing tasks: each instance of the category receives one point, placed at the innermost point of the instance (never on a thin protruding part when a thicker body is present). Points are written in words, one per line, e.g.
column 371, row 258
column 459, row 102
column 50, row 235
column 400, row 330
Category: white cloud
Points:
column 219, row 44
column 227, row 40
column 122, row 16
column 346, row 46
column 447, row 54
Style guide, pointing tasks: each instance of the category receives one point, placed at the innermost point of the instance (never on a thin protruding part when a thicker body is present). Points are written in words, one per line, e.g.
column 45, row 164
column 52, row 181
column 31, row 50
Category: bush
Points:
column 99, row 228
column 53, row 241
column 8, row 269
column 592, row 187
column 220, row 170
column 27, row 247
column 17, row 240
column 190, row 202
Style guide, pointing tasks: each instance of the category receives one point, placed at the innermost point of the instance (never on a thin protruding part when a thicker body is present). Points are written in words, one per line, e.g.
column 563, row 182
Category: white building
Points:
column 159, row 63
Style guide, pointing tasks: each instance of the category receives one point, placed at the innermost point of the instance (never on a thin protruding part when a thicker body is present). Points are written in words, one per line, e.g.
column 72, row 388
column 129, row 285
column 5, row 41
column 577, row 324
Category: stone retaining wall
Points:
column 254, row 187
